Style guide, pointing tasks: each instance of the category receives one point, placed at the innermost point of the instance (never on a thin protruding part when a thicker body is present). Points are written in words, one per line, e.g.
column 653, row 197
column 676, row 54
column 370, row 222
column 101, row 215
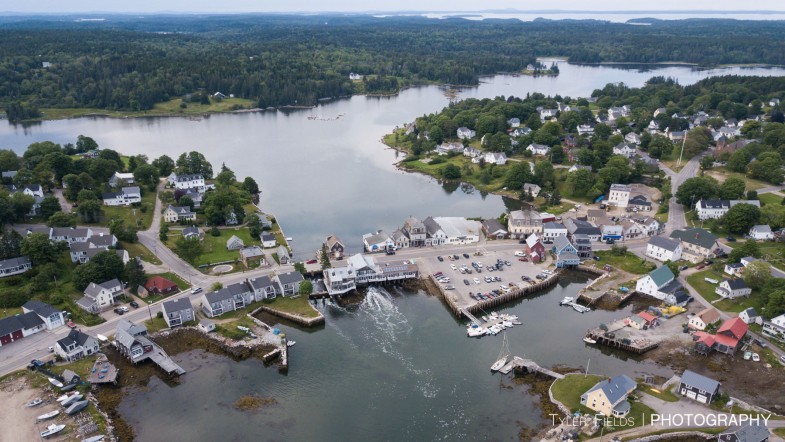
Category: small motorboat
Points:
column 68, row 387
column 76, row 407
column 476, row 332
column 55, row 382
column 567, row 300
column 289, row 238
column 755, row 357
column 517, row 323
column 499, row 364
column 66, row 396
column 34, row 402
column 589, row 340
column 48, row 415
column 52, row 429
column 244, row 329
column 290, row 343
column 98, row 438
column 71, row 400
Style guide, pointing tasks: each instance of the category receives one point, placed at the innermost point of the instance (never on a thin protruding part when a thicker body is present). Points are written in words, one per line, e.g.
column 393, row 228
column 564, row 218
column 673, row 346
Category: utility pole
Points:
column 678, row 163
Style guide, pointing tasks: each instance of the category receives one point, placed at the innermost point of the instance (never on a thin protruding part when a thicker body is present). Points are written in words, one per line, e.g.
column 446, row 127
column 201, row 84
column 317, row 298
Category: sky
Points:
column 230, row 6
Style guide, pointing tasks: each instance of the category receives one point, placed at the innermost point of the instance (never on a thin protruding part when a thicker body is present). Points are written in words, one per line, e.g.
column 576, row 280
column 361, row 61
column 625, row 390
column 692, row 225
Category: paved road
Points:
column 676, row 215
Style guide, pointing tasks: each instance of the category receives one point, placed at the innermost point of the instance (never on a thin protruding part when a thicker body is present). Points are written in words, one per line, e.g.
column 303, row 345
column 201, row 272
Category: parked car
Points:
column 119, row 311
column 196, row 290
column 466, row 281
column 476, row 281
column 747, row 355
column 440, row 258
column 731, row 239
column 760, row 342
column 134, row 304
column 466, row 255
column 596, row 258
column 524, row 259
column 311, row 261
column 700, row 266
column 70, row 324
column 520, row 253
column 683, row 268
column 782, row 359
column 452, row 266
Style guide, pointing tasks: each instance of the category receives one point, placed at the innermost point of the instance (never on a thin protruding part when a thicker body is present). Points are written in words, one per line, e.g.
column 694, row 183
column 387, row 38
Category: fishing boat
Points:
column 71, row 400
column 55, row 382
column 67, row 397
column 52, row 429
column 289, row 238
column 34, row 402
column 76, row 407
column 580, row 309
column 290, row 343
column 476, row 332
column 98, row 438
column 48, row 415
column 504, row 353
column 567, row 300
column 589, row 340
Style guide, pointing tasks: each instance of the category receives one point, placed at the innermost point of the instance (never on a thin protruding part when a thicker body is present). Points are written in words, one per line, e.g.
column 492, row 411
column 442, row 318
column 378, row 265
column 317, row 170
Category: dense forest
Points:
column 130, row 63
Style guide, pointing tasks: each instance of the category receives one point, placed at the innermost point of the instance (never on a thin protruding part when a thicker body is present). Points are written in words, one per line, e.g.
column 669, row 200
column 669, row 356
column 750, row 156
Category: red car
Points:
column 70, row 324
column 523, row 259
column 311, row 261
column 700, row 266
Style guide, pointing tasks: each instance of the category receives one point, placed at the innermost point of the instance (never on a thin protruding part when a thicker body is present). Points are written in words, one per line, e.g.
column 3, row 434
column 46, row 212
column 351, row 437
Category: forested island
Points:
column 132, row 64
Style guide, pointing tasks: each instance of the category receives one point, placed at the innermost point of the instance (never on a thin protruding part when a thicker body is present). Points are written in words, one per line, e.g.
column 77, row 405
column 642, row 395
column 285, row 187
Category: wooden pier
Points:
column 529, row 366
column 609, row 339
column 159, row 356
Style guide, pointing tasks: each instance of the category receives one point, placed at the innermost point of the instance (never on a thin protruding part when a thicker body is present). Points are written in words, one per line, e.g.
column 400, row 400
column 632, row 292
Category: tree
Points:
column 517, row 175
column 757, row 274
column 189, row 249
column 146, row 175
column 249, row 184
column 61, row 219
column 306, row 287
column 39, row 249
column 49, row 206
column 186, row 200
column 324, row 256
column 9, row 160
column 10, row 244
column 134, row 275
column 216, row 286
column 740, row 218
column 84, row 144
column 101, row 169
column 254, row 226
column 225, row 178
column 300, row 267
column 89, row 211
column 696, row 188
column 776, row 304
column 732, row 188
column 544, row 174
column 451, row 172
column 194, row 162
column 674, row 267
column 749, row 248
column 579, row 182
column 86, row 195
column 21, row 205
column 164, row 164
column 706, row 162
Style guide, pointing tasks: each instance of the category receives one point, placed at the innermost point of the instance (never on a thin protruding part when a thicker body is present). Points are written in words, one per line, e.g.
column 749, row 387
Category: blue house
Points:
column 562, row 244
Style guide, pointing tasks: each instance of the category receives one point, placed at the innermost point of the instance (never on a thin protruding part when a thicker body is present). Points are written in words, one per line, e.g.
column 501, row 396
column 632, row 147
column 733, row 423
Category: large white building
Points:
column 708, row 209
column 459, row 230
column 362, row 269
column 522, row 223
column 619, row 195
column 187, row 181
column 126, row 196
column 664, row 249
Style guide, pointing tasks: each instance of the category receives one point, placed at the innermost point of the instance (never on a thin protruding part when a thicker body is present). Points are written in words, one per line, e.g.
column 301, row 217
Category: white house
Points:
column 619, row 195
column 98, row 297
column 624, row 150
column 546, row 114
column 761, row 232
column 126, row 196
column 355, row 77
column 119, row 177
column 775, row 328
column 633, row 138
column 611, row 231
column 268, row 240
column 514, row 122
column 733, row 288
column 631, row 230
column 703, row 319
column 538, row 149
column 289, row 283
column 76, row 345
column 15, row 266
column 471, row 152
column 498, row 158
column 664, row 249
column 173, row 214
column 459, row 230
column 577, row 167
column 378, row 242
column 465, row 133
column 750, row 316
column 177, row 311
column 774, row 102
column 735, row 269
column 707, row 209
column 446, row 148
column 585, row 129
column 649, row 225
column 654, row 283
column 747, row 260
column 70, row 234
column 521, row 131
column 532, row 189
column 187, row 181
column 551, row 230
column 52, row 317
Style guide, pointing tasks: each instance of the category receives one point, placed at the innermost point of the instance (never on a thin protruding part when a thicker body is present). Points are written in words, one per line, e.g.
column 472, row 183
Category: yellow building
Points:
column 609, row 397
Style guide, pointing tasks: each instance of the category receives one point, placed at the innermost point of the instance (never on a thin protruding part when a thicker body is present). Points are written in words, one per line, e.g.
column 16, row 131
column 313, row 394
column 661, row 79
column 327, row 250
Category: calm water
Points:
column 396, row 367
column 614, row 16
column 322, row 177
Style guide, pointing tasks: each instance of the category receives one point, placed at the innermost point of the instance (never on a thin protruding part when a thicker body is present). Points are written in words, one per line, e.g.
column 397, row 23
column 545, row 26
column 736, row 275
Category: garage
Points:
column 691, row 394
column 702, row 399
column 11, row 329
column 5, row 339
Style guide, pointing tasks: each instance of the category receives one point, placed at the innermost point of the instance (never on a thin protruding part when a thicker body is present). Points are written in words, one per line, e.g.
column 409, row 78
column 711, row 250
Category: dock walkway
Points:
column 471, row 317
column 533, row 367
column 159, row 356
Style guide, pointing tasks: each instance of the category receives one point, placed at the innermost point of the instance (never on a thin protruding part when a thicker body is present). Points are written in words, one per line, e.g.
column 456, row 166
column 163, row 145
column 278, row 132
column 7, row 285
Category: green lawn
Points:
column 662, row 217
column 137, row 249
column 770, row 199
column 133, row 216
column 230, row 330
column 568, row 391
column 627, row 262
column 771, row 252
column 706, row 289
column 463, row 163
column 722, row 174
column 181, row 285
column 298, row 306
column 779, row 432
column 171, row 107
column 215, row 246
column 665, row 395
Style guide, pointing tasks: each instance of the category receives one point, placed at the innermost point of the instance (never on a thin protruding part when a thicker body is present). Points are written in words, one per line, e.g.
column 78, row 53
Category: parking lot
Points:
column 470, row 281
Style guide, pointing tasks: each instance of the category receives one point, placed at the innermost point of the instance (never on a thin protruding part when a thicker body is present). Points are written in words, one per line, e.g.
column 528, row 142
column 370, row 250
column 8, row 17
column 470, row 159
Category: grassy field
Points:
column 171, row 107
column 568, row 391
column 137, row 249
column 662, row 217
column 133, row 216
column 706, row 289
column 465, row 165
column 298, row 306
column 770, row 199
column 230, row 330
column 665, row 395
column 628, row 262
column 215, row 246
column 771, row 252
column 722, row 174
column 181, row 285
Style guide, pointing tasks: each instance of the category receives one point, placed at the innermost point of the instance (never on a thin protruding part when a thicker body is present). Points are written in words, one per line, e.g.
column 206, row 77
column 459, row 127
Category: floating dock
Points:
column 103, row 372
column 528, row 366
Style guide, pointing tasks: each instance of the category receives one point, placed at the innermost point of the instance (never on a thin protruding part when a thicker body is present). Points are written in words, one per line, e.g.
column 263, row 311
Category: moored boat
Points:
column 290, row 343
column 567, row 300
column 77, row 407
column 52, row 429
column 48, row 415
column 66, row 396
column 504, row 353
column 589, row 340
column 34, row 402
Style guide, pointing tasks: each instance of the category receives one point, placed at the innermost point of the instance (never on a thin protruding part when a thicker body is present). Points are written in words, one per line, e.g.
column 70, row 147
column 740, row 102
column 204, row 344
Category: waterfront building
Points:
column 177, row 311
column 361, row 270
column 609, row 396
column 76, row 345
column 522, row 223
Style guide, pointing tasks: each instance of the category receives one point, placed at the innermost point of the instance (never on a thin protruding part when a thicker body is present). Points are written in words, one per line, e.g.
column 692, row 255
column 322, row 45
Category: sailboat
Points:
column 504, row 353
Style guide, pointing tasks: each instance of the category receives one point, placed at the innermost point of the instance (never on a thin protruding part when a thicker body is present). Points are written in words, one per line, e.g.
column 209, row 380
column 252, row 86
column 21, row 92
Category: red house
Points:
column 727, row 339
column 650, row 319
column 158, row 285
column 534, row 248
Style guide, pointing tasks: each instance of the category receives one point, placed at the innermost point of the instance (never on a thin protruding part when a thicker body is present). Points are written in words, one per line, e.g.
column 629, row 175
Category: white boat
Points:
column 98, row 438
column 102, row 338
column 77, row 407
column 66, row 396
column 241, row 328
column 493, row 330
column 504, row 353
column 507, row 324
column 48, row 415
column 289, row 238
column 580, row 309
column 567, row 300
column 55, row 382
column 476, row 332
column 755, row 357
column 290, row 343
column 71, row 400
column 34, row 402
column 589, row 340
column 517, row 323
column 485, row 318
column 52, row 429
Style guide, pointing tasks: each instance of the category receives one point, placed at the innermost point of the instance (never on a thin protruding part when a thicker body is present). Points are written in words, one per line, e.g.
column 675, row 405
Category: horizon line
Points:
column 404, row 11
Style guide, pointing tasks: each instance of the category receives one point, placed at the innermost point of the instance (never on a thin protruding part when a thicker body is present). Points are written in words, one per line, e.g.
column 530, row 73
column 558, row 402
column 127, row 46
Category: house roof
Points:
column 735, row 284
column 85, row 302
column 30, row 320
column 734, row 327
column 704, row 338
column 282, row 251
column 696, row 236
column 261, row 282
column 160, row 283
column 661, row 275
column 620, row 187
column 40, row 308
column 735, row 265
column 333, row 240
column 14, row 262
column 251, row 252
column 648, row 317
column 699, row 381
column 532, row 240
column 180, row 210
column 553, row 225
column 709, row 315
column 227, row 292
column 751, row 312
column 616, row 388
column 561, row 242
column 189, row 177
column 639, row 200
column 131, row 328
column 193, row 230
column 176, row 305
column 762, row 228
column 94, row 289
column 493, row 226
column 290, row 277
column 74, row 337
column 748, row 432
column 233, row 239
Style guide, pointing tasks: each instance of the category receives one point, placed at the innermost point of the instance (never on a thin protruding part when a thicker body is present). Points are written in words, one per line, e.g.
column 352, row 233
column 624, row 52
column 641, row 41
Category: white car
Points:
column 520, row 253
column 452, row 266
column 196, row 290
column 476, row 281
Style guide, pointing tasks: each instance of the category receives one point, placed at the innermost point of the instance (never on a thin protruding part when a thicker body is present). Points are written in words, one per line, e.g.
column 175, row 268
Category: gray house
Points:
column 76, row 345
column 263, row 287
column 745, row 433
column 228, row 299
column 15, row 266
column 131, row 341
column 494, row 229
column 52, row 317
column 698, row 387
column 177, row 311
column 234, row 243
column 289, row 283
column 283, row 255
